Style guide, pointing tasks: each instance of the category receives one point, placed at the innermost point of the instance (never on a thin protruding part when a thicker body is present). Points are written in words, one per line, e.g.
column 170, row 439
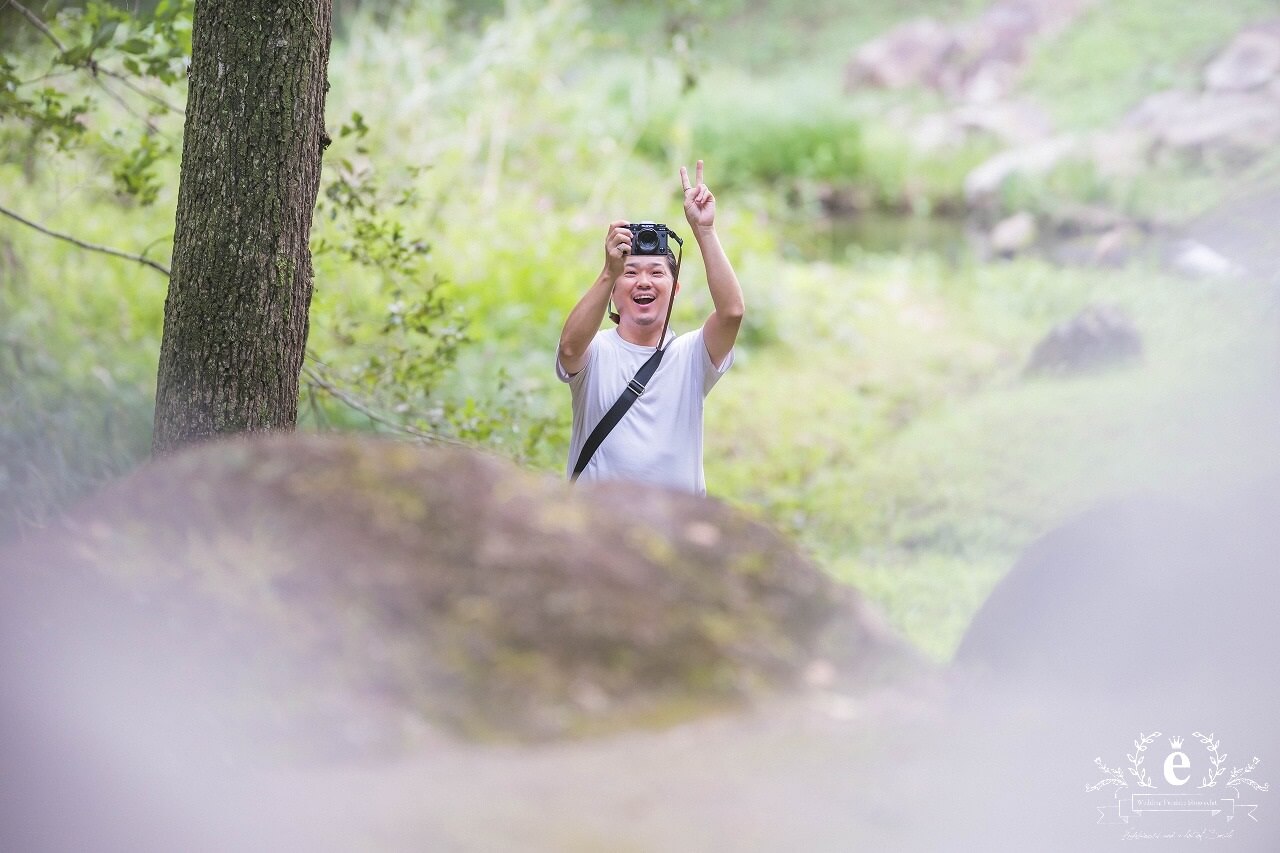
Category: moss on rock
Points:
column 490, row 601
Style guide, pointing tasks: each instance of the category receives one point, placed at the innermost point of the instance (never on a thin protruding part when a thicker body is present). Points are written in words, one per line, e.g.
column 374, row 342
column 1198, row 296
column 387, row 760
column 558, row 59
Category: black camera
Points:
column 650, row 238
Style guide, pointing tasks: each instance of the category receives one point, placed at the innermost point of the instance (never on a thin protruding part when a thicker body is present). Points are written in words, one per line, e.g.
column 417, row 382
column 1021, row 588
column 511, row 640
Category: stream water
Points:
column 835, row 239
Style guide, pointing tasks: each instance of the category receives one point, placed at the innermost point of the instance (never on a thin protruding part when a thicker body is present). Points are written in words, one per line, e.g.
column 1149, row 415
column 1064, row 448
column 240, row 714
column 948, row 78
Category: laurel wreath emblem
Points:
column 1114, row 776
column 1239, row 775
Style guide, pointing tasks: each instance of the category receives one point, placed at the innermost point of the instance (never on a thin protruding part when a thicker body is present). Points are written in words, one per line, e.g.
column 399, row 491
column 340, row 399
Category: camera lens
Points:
column 646, row 241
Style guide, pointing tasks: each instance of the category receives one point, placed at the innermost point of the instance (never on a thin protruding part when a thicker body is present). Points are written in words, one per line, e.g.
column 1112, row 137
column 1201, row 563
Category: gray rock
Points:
column 1099, row 336
column 1251, row 60
column 1195, row 259
column 1013, row 234
column 986, row 180
column 935, row 132
column 978, row 60
column 1190, row 582
column 1088, row 219
column 1243, row 230
column 1017, row 121
column 1117, row 245
column 1183, row 120
column 1119, row 152
column 911, row 54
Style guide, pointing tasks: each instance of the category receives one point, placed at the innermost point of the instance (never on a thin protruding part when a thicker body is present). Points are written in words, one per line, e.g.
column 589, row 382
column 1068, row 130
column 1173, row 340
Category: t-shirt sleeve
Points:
column 706, row 370
column 576, row 378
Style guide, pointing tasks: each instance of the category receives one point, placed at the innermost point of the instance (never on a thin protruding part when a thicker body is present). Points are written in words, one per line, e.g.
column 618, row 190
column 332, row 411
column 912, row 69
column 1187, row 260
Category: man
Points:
column 659, row 439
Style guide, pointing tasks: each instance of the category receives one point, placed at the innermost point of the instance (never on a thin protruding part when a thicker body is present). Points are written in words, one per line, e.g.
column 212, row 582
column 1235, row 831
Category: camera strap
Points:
column 672, row 301
column 611, row 418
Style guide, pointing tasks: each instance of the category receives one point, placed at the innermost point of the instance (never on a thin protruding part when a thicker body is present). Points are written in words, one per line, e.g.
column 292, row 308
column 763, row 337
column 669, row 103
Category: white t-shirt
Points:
column 659, row 439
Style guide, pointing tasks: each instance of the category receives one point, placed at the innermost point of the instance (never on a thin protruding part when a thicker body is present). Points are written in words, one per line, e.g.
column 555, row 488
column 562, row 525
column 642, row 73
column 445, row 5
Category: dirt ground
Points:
column 924, row 768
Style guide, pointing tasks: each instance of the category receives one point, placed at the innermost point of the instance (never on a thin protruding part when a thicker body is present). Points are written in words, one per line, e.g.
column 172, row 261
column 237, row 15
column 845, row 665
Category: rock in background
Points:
column 1097, row 337
column 1231, row 119
column 974, row 61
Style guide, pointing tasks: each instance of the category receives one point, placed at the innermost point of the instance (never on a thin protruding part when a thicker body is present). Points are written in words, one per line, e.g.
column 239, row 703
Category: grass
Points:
column 899, row 444
column 769, row 38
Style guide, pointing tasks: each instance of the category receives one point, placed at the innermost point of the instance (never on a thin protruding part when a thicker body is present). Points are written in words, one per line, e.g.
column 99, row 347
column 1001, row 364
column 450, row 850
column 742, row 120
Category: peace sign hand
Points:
column 699, row 203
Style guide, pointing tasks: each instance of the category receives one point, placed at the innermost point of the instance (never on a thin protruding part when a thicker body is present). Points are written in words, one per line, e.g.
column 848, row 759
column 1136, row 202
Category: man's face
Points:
column 643, row 290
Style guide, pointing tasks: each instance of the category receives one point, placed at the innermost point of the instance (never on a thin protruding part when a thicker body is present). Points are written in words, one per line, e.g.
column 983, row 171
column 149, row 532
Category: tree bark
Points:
column 235, row 320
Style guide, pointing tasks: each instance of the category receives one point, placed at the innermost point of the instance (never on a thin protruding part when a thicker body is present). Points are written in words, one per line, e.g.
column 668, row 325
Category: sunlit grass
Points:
column 900, row 445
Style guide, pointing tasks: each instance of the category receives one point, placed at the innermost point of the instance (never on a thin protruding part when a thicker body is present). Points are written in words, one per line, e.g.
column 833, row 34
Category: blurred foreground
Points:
column 461, row 656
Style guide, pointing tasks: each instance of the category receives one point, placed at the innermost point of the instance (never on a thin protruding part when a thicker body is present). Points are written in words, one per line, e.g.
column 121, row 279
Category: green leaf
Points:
column 137, row 44
column 102, row 36
column 76, row 56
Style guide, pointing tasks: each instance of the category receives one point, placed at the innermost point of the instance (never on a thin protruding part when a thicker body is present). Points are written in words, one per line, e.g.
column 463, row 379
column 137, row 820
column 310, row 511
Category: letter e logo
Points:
column 1176, row 761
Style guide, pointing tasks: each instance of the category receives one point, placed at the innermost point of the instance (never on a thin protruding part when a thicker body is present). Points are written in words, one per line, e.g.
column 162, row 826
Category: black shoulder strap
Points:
column 629, row 395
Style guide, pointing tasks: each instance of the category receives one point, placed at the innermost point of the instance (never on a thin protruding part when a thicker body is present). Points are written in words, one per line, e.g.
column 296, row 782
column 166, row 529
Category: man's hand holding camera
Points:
column 617, row 245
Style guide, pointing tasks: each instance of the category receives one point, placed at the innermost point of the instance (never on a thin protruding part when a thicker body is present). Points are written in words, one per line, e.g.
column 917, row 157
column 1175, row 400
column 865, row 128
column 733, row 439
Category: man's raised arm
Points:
column 585, row 318
column 721, row 328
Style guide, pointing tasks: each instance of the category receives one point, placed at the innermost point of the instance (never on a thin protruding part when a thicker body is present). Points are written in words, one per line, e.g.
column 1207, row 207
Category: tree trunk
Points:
column 235, row 320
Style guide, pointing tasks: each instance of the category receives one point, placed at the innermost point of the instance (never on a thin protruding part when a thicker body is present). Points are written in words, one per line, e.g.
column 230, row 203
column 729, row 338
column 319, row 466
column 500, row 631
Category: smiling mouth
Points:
column 643, row 299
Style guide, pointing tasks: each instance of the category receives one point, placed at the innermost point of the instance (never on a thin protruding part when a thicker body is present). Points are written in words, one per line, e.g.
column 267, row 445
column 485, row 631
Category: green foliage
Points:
column 393, row 344
column 134, row 172
column 901, row 176
column 680, row 27
column 50, row 95
column 43, row 111
column 81, row 335
column 372, row 231
column 752, row 141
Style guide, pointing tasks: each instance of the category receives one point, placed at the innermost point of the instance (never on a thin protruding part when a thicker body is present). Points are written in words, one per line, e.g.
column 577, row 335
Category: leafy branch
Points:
column 1239, row 777
column 318, row 380
column 1115, row 776
column 1136, row 759
column 155, row 48
column 1215, row 759
column 399, row 368
column 82, row 56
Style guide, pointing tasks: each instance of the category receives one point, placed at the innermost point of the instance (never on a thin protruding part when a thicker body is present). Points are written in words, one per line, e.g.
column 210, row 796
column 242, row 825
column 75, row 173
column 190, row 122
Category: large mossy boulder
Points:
column 326, row 574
